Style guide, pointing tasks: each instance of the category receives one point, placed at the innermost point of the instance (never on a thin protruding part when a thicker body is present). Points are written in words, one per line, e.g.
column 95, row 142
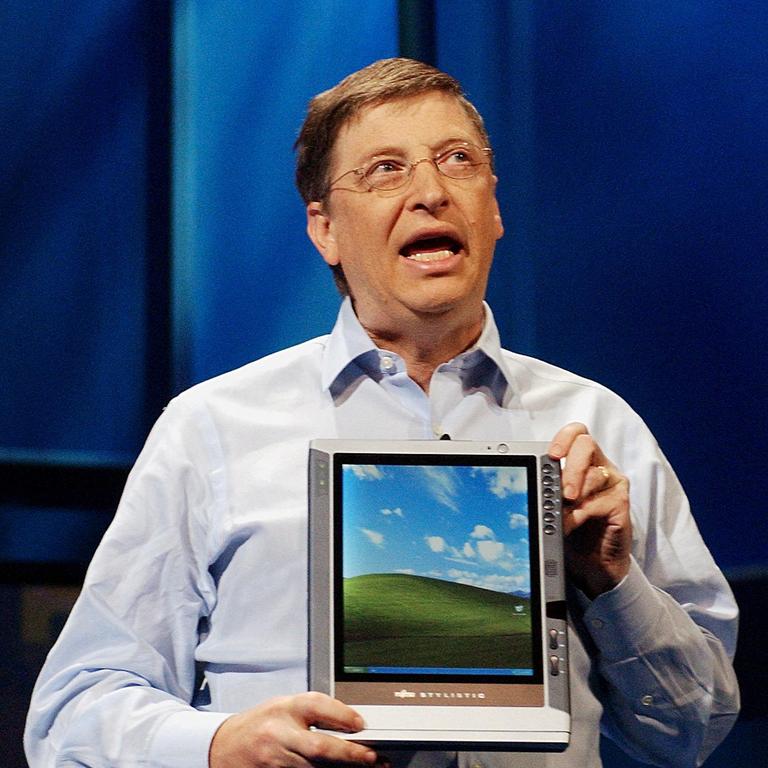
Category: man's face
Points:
column 424, row 249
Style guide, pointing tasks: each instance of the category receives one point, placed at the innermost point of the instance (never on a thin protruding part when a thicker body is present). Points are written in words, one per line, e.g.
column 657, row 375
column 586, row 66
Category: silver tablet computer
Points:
column 436, row 592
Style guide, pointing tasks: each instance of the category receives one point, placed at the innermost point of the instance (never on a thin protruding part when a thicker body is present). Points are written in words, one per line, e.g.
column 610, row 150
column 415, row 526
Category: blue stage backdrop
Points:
column 151, row 237
column 73, row 121
column 247, row 279
column 632, row 149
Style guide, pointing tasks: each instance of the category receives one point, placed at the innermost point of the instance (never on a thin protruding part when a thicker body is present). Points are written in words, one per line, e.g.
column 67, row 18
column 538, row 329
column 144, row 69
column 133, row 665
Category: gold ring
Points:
column 606, row 474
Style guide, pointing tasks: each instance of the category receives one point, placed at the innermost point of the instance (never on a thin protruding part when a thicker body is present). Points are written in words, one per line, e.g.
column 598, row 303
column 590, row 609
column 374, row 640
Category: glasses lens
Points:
column 458, row 162
column 461, row 161
column 387, row 174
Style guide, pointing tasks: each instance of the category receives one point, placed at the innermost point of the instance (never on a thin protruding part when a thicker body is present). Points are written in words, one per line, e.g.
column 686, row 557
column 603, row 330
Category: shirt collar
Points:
column 351, row 353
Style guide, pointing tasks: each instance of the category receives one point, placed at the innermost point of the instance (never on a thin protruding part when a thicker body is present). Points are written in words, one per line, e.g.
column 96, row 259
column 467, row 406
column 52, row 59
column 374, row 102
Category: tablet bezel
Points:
column 517, row 713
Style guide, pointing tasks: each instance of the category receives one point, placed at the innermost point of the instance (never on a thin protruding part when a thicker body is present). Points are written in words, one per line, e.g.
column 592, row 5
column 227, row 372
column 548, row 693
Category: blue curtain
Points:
column 631, row 143
column 72, row 230
column 248, row 281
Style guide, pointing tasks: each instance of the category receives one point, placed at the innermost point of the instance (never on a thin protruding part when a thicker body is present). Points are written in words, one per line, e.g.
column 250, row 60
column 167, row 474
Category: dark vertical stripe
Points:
column 157, row 26
column 416, row 26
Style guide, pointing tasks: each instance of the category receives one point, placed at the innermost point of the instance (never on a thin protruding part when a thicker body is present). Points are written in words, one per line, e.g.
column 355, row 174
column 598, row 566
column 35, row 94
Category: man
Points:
column 187, row 646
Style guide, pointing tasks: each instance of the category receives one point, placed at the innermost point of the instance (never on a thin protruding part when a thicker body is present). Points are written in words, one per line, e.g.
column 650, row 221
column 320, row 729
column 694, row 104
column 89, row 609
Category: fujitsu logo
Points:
column 404, row 694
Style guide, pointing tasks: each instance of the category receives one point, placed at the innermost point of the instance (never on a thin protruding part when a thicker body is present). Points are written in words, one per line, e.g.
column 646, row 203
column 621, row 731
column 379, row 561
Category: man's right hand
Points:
column 277, row 734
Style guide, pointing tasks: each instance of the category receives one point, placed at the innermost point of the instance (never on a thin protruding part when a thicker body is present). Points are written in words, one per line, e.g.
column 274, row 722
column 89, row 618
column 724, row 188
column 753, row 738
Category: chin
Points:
column 445, row 302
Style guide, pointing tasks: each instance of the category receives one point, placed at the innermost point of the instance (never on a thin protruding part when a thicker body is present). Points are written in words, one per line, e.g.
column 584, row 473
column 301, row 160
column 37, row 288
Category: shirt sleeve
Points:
column 663, row 639
column 668, row 687
column 117, row 687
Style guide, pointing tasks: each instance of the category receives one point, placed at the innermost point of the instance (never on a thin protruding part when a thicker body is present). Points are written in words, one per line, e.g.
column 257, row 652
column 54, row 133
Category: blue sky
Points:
column 463, row 524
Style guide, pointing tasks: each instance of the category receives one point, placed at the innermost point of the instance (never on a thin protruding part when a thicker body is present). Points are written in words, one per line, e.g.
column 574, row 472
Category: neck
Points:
column 428, row 343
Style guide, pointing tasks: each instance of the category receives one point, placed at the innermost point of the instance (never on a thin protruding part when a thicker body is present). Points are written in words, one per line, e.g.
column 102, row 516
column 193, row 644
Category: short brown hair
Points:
column 382, row 81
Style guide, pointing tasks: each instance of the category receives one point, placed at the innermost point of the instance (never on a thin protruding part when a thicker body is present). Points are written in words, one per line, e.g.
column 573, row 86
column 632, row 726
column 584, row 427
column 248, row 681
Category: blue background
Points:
column 632, row 141
column 150, row 235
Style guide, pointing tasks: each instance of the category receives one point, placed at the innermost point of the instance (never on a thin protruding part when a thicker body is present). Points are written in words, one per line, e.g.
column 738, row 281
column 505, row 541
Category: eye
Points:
column 384, row 167
column 458, row 156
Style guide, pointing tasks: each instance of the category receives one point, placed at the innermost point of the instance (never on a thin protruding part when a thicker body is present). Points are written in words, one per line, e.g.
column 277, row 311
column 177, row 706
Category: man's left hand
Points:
column 596, row 518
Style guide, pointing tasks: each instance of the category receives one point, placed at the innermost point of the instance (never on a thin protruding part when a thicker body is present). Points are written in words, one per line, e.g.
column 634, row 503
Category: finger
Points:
column 562, row 441
column 606, row 504
column 597, row 479
column 283, row 743
column 320, row 747
column 323, row 711
column 577, row 516
column 584, row 454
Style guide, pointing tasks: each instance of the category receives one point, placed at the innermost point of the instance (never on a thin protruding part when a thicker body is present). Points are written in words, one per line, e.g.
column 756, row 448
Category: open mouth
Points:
column 431, row 249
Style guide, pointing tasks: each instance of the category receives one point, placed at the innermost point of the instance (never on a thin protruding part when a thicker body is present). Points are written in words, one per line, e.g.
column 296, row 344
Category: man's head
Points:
column 382, row 81
column 396, row 172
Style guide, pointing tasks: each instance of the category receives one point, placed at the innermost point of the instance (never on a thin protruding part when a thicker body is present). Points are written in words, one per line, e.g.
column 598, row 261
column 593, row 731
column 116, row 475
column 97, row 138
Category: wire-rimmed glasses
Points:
column 461, row 160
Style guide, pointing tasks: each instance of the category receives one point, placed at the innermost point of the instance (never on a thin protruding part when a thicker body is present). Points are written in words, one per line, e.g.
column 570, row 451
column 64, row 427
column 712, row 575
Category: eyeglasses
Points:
column 459, row 161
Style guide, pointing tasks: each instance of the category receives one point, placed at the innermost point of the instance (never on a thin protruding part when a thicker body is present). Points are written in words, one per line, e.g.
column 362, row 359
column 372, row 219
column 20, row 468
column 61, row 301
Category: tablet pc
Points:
column 436, row 592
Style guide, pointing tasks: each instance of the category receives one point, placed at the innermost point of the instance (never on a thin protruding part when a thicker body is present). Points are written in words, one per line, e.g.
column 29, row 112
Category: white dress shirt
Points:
column 194, row 606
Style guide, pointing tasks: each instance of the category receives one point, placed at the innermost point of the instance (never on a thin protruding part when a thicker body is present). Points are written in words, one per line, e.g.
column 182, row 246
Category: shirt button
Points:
column 387, row 363
column 647, row 700
column 598, row 623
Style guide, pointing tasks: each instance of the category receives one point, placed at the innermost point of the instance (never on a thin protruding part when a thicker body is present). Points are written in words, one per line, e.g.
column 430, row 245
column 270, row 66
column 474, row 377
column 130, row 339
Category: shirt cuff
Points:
column 183, row 739
column 623, row 622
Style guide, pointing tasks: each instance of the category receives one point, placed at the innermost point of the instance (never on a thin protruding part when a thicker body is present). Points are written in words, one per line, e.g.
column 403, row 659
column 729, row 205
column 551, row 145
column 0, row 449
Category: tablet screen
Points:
column 437, row 556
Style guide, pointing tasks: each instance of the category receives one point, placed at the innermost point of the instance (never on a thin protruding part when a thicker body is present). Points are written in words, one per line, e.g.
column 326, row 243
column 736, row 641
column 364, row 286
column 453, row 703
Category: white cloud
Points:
column 490, row 550
column 516, row 520
column 374, row 536
column 441, row 482
column 482, row 532
column 505, row 583
column 496, row 582
column 435, row 543
column 469, row 550
column 459, row 555
column 457, row 575
column 503, row 481
column 365, row 471
column 406, row 571
column 461, row 560
column 396, row 511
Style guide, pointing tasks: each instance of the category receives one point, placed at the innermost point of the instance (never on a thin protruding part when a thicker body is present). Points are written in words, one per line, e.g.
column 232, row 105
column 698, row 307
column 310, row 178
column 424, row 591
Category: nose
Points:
column 427, row 188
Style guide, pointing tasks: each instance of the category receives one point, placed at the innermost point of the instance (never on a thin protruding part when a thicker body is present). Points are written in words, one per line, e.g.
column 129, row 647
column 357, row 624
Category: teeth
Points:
column 431, row 255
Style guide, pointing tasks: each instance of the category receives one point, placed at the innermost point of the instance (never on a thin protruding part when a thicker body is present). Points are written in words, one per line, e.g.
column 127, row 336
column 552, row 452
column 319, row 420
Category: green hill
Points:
column 402, row 620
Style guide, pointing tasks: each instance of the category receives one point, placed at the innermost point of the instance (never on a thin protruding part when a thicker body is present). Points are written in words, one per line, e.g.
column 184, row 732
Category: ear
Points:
column 320, row 231
column 497, row 213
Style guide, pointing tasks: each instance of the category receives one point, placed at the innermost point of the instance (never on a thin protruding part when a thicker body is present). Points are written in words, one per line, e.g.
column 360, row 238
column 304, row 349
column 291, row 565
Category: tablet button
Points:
column 554, row 666
column 549, row 517
column 553, row 639
column 549, row 529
